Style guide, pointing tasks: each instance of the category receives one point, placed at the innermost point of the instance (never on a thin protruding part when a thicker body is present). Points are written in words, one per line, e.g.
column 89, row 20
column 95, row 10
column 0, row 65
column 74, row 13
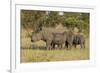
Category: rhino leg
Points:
column 60, row 46
column 66, row 44
column 48, row 45
column 70, row 45
column 82, row 45
column 53, row 45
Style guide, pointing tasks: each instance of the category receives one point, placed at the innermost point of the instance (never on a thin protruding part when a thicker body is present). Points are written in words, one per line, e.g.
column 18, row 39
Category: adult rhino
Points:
column 69, row 39
column 43, row 35
column 65, row 38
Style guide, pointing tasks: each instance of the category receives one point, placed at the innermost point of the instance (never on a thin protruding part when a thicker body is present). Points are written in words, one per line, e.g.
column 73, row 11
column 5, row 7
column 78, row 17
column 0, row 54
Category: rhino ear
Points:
column 33, row 32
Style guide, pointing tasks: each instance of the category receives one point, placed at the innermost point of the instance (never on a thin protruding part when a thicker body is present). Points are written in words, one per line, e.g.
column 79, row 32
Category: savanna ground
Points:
column 36, row 52
column 31, row 55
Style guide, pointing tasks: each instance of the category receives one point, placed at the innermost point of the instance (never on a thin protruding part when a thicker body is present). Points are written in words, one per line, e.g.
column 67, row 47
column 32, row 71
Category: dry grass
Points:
column 36, row 55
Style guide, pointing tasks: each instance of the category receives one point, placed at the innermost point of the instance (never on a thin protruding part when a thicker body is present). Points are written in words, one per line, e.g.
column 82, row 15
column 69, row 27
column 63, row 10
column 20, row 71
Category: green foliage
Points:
column 75, row 22
column 36, row 19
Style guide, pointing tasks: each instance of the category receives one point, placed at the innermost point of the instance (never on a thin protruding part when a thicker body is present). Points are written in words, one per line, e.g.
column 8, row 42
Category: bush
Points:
column 75, row 22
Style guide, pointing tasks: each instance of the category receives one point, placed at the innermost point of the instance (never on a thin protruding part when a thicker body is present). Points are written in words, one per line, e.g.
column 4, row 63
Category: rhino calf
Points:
column 79, row 40
column 58, row 39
